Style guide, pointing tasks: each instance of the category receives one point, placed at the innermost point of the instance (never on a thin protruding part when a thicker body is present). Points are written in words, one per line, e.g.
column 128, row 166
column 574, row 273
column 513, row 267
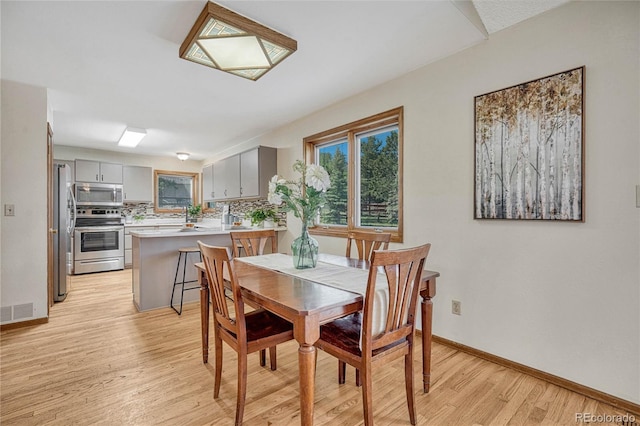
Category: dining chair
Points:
column 367, row 242
column 351, row 339
column 245, row 332
column 253, row 243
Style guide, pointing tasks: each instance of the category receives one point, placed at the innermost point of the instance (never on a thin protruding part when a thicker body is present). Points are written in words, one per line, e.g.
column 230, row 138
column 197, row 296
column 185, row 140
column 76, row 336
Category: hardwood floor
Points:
column 99, row 361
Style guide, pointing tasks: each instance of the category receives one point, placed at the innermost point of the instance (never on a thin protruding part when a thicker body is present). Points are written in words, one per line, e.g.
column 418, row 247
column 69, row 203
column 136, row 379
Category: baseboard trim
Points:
column 621, row 404
column 21, row 324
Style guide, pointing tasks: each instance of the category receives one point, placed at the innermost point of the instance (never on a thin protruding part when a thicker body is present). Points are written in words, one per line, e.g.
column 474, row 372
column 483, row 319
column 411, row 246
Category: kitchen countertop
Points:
column 163, row 222
column 197, row 230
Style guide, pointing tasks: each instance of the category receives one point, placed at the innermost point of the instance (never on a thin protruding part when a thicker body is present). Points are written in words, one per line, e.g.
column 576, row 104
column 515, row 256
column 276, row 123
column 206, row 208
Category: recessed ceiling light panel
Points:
column 224, row 40
column 131, row 137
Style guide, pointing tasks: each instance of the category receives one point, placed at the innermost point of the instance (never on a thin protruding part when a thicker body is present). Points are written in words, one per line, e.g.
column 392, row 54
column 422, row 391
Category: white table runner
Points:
column 342, row 277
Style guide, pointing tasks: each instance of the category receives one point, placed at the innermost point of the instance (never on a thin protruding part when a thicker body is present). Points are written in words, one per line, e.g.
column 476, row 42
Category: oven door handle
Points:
column 99, row 228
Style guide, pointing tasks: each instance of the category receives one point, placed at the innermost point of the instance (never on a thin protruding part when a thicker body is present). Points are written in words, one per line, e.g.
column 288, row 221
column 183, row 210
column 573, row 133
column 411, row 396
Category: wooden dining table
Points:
column 307, row 305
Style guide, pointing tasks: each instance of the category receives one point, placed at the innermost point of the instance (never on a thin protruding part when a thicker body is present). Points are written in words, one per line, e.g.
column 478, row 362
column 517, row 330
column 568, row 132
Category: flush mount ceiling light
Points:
column 132, row 137
column 224, row 40
column 182, row 155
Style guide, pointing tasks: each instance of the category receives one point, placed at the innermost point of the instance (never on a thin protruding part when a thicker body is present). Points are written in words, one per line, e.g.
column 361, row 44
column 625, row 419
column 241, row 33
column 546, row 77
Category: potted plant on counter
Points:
column 194, row 213
column 263, row 218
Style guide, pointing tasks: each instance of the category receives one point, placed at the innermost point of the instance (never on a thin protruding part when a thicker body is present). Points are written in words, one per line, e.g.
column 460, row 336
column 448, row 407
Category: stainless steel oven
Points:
column 98, row 240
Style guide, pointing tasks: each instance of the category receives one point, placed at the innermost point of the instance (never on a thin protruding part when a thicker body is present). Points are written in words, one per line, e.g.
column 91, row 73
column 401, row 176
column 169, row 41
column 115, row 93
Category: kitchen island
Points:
column 154, row 260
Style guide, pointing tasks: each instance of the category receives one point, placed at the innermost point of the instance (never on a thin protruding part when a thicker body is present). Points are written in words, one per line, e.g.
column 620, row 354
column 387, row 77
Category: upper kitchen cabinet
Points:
column 207, row 183
column 245, row 175
column 226, row 178
column 95, row 171
column 256, row 169
column 138, row 184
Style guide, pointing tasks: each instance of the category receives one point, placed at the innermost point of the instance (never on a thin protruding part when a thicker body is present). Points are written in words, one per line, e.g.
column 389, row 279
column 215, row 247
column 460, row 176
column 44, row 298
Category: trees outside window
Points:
column 364, row 161
column 334, row 158
column 174, row 190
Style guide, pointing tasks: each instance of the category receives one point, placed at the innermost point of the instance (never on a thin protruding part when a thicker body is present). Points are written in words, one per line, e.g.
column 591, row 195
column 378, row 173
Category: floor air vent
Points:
column 5, row 313
column 19, row 312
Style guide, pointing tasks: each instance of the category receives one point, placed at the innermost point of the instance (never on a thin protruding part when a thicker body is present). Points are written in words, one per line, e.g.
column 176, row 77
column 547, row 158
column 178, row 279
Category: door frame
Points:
column 50, row 229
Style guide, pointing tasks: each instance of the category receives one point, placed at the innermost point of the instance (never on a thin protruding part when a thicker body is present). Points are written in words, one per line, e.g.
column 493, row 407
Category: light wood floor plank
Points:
column 100, row 362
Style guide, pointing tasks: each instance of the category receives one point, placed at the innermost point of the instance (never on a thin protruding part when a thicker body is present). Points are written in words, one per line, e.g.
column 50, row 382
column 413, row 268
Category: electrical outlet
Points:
column 9, row 210
column 456, row 307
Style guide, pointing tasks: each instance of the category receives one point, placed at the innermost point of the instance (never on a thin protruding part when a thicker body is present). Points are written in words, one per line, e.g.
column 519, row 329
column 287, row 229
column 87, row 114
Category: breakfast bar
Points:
column 154, row 259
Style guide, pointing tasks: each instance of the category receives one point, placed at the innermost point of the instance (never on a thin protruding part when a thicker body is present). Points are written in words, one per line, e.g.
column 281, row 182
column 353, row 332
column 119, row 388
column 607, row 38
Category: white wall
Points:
column 24, row 184
column 563, row 298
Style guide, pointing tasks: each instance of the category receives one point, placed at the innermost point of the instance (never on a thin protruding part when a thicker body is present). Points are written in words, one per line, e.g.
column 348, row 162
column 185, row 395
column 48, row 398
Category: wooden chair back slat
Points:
column 367, row 242
column 253, row 243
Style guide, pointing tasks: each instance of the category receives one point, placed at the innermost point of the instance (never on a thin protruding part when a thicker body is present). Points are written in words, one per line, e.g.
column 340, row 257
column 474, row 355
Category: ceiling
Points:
column 112, row 64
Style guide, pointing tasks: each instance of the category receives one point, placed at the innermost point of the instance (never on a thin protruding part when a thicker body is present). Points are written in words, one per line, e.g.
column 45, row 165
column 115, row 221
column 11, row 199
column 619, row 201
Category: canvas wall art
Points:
column 529, row 150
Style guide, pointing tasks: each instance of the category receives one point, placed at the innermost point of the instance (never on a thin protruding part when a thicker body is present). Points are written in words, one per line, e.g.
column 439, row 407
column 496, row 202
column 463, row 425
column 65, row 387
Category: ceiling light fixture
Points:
column 224, row 40
column 182, row 155
column 131, row 137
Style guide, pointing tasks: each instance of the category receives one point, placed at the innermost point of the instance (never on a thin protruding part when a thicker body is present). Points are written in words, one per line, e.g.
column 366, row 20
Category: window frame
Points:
column 194, row 189
column 349, row 132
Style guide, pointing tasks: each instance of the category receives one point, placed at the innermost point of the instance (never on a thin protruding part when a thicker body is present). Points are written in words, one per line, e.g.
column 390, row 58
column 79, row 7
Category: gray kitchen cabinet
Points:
column 207, row 183
column 96, row 171
column 226, row 178
column 127, row 243
column 137, row 184
column 257, row 167
column 245, row 175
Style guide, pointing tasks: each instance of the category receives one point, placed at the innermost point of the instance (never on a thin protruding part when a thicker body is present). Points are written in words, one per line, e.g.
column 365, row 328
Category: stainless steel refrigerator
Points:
column 63, row 225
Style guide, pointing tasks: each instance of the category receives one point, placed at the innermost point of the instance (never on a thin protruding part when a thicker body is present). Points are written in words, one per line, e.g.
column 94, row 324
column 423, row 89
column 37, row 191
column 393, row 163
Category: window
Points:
column 174, row 190
column 364, row 161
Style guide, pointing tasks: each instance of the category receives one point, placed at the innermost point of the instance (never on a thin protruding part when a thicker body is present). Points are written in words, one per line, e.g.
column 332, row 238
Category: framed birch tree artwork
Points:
column 529, row 150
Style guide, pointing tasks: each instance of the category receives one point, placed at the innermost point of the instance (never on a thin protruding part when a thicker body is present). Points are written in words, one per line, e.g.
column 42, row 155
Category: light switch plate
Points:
column 638, row 196
column 9, row 210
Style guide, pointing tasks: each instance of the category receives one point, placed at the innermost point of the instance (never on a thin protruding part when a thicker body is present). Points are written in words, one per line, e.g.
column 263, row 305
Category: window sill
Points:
column 396, row 237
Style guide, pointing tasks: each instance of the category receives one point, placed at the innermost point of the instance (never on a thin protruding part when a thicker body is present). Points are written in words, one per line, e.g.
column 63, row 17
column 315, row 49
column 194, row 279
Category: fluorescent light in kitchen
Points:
column 131, row 137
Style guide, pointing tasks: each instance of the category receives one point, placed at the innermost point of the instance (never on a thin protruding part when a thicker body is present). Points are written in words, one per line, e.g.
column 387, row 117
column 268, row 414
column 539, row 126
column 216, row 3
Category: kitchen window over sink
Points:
column 364, row 161
column 174, row 190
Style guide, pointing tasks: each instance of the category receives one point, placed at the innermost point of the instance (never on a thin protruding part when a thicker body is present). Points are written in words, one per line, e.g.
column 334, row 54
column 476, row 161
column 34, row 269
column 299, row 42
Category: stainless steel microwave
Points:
column 98, row 194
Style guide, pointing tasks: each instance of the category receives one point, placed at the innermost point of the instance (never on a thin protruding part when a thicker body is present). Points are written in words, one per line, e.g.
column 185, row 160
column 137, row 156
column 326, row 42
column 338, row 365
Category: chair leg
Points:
column 263, row 357
column 272, row 358
column 175, row 282
column 367, row 400
column 342, row 368
column 408, row 380
column 242, row 387
column 218, row 372
column 184, row 275
column 358, row 380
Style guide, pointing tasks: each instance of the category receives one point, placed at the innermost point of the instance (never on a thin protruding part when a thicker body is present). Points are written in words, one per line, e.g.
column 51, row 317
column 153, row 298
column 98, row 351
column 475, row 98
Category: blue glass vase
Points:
column 305, row 250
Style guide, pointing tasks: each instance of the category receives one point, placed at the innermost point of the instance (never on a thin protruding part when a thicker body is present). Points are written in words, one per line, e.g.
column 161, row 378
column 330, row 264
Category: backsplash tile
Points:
column 240, row 208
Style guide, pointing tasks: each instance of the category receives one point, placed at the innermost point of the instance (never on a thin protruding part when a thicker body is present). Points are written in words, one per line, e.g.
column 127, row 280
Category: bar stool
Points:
column 186, row 251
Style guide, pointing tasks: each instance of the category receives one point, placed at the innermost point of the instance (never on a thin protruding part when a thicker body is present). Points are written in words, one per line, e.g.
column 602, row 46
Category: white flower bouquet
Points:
column 305, row 196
